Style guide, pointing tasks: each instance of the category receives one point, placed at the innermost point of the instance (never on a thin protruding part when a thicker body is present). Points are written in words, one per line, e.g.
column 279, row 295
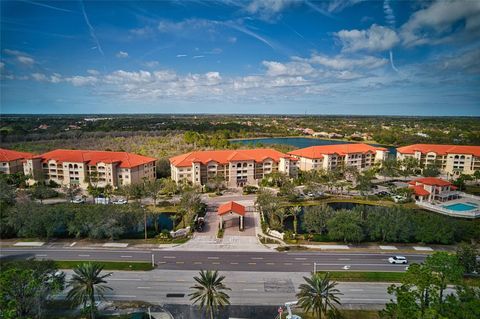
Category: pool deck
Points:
column 466, row 199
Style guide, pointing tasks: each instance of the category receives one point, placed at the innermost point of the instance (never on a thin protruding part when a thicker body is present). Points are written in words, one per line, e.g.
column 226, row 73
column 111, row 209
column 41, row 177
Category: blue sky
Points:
column 285, row 56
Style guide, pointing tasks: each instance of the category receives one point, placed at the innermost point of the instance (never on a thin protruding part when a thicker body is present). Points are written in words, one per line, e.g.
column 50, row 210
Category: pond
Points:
column 300, row 142
column 335, row 205
column 165, row 222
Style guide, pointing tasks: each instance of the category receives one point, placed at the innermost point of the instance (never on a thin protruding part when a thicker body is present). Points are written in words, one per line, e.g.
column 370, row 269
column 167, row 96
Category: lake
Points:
column 301, row 142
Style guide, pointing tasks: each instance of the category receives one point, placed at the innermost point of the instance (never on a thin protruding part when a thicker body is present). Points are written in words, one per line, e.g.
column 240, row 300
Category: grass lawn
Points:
column 365, row 276
column 108, row 265
column 347, row 314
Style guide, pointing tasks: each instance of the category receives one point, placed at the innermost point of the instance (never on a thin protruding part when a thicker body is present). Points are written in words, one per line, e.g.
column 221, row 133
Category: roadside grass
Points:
column 346, row 314
column 108, row 265
column 366, row 276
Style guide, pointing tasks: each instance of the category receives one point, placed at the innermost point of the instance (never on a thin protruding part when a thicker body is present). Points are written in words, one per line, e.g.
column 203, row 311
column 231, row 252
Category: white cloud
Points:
column 198, row 56
column 376, row 38
column 122, row 55
column 341, row 62
column 2, row 66
column 268, row 9
column 39, row 77
column 15, row 52
column 121, row 76
column 181, row 55
column 340, row 5
column 151, row 64
column 93, row 72
column 26, row 60
column 79, row 80
column 290, row 69
column 439, row 23
column 22, row 57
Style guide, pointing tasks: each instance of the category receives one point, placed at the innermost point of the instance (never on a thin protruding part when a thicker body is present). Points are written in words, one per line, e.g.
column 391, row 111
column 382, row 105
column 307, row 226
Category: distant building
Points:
column 11, row 162
column 430, row 189
column 335, row 135
column 236, row 167
column 82, row 167
column 327, row 157
column 450, row 159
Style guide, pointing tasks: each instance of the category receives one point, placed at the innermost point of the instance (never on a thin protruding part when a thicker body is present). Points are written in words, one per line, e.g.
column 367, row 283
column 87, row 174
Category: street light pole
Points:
column 314, row 268
column 145, row 221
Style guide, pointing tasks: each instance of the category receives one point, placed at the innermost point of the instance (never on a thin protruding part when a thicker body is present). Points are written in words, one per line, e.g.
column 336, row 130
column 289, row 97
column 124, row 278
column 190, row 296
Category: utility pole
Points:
column 314, row 268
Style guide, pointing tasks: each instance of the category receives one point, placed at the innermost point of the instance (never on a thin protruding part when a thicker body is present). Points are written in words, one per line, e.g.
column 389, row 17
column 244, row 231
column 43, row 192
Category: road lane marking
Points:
column 73, row 244
column 124, row 279
column 179, row 262
column 306, row 264
column 233, row 263
column 287, row 264
column 270, row 263
column 250, row 289
column 252, row 263
column 356, row 289
column 121, row 296
column 38, row 255
column 197, row 262
column 212, row 257
column 259, row 258
column 299, row 258
column 144, row 287
column 215, row 263
column 169, row 257
column 343, row 258
column 126, row 256
column 83, row 255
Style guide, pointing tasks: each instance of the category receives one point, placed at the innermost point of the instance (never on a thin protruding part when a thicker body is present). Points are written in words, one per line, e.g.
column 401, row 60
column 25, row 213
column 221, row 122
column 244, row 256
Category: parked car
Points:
column 78, row 200
column 397, row 260
column 383, row 193
column 120, row 201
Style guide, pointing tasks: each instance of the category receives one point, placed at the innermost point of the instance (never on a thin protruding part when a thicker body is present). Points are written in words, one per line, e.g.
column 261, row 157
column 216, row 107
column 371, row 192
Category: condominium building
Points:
column 236, row 167
column 328, row 157
column 11, row 162
column 450, row 159
column 82, row 167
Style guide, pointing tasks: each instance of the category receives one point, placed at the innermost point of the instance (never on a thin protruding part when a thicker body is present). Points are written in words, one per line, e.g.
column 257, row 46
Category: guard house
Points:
column 232, row 208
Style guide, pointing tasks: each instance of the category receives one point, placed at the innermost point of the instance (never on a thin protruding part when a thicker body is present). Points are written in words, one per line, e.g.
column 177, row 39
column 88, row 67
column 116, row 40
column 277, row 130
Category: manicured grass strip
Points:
column 108, row 265
column 346, row 314
column 366, row 276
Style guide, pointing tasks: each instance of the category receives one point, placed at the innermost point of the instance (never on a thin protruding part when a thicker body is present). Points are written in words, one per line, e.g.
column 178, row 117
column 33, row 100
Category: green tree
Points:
column 467, row 256
column 41, row 192
column 295, row 213
column 389, row 168
column 190, row 204
column 26, row 286
column 345, row 226
column 431, row 171
column 153, row 189
column 87, row 284
column 170, row 187
column 315, row 218
column 71, row 191
column 446, row 268
column 209, row 291
column 318, row 295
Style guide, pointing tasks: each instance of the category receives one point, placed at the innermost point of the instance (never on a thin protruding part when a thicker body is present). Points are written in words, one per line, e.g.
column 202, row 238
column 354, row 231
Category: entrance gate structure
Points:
column 232, row 208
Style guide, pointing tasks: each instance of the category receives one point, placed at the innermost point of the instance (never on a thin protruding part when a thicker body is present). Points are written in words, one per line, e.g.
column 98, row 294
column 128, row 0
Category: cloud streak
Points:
column 91, row 29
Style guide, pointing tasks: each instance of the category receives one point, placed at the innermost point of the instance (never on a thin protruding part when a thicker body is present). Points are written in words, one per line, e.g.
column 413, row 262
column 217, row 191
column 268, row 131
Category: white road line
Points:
column 73, row 244
column 250, row 289
column 38, row 255
column 259, row 258
column 120, row 296
column 298, row 258
column 169, row 257
column 287, row 264
column 252, row 263
column 215, row 263
column 355, row 289
column 179, row 262
column 233, row 263
column 343, row 258
column 212, row 257
column 306, row 264
column 144, row 287
column 197, row 263
column 83, row 255
column 125, row 256
column 270, row 263
column 124, row 279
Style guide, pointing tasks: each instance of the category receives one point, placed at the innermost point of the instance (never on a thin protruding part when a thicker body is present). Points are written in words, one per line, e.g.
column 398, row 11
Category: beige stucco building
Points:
column 11, row 162
column 328, row 157
column 236, row 168
column 450, row 159
column 83, row 167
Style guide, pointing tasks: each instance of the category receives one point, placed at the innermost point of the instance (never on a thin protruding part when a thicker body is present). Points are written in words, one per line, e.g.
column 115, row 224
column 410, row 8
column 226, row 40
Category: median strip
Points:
column 107, row 265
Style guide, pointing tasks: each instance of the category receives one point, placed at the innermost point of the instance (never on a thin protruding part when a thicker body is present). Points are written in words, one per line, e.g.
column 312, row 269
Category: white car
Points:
column 397, row 260
column 120, row 202
column 78, row 200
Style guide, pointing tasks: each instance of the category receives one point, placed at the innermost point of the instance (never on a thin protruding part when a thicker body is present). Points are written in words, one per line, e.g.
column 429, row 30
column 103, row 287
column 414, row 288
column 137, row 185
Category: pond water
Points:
column 164, row 221
column 336, row 206
column 300, row 142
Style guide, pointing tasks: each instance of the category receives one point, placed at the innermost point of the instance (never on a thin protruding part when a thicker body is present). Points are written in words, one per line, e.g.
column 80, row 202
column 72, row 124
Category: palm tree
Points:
column 318, row 294
column 86, row 284
column 209, row 291
column 295, row 212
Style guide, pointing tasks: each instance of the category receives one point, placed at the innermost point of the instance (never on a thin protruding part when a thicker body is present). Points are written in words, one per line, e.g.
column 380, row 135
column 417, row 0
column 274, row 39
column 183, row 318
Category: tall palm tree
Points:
column 318, row 295
column 86, row 284
column 209, row 291
column 295, row 212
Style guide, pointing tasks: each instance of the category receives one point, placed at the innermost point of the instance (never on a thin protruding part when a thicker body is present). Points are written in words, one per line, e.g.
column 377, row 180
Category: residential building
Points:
column 11, row 162
column 328, row 157
column 433, row 189
column 236, row 167
column 450, row 159
column 84, row 167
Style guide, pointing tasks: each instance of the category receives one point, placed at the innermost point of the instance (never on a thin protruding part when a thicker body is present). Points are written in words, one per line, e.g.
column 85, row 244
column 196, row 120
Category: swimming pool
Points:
column 460, row 207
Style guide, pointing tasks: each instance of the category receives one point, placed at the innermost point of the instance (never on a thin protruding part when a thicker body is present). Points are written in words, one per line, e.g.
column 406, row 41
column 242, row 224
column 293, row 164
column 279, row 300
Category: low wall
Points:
column 182, row 232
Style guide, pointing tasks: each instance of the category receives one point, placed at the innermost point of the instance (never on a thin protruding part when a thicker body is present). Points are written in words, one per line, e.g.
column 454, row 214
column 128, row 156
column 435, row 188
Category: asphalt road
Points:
column 221, row 260
column 247, row 288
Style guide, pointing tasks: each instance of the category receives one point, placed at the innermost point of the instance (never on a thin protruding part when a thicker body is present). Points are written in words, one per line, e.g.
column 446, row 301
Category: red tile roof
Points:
column 440, row 149
column 420, row 191
column 341, row 149
column 430, row 181
column 9, row 155
column 226, row 156
column 125, row 160
column 231, row 207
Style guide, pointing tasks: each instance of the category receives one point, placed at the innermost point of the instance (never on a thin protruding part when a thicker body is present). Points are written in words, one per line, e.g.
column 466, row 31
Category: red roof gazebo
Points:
column 231, row 207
